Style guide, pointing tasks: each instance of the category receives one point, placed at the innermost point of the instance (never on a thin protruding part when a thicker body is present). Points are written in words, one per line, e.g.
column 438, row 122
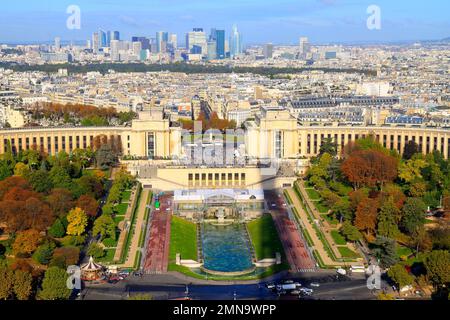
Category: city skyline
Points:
column 323, row 21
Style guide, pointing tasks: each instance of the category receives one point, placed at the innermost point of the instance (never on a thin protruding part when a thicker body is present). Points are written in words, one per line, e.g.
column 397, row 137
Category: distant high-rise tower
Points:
column 115, row 50
column 57, row 43
column 196, row 38
column 95, row 42
column 268, row 50
column 304, row 47
column 220, row 44
column 173, row 41
column 116, row 35
column 102, row 38
column 236, row 47
column 161, row 37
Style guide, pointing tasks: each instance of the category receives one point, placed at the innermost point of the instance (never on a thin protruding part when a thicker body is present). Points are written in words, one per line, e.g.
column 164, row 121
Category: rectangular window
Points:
column 151, row 145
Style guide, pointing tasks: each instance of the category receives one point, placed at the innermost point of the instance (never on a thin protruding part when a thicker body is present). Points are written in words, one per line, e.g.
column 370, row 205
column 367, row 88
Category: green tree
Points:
column 400, row 276
column 437, row 264
column 105, row 226
column 6, row 282
column 44, row 252
column 386, row 251
column 328, row 146
column 96, row 251
column 387, row 219
column 57, row 229
column 411, row 148
column 350, row 232
column 22, row 284
column 105, row 156
column 60, row 177
column 413, row 215
column 40, row 181
column 54, row 285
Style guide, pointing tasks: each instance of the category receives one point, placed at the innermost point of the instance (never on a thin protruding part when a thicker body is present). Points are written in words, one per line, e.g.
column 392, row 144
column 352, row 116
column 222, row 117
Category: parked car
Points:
column 270, row 286
column 314, row 284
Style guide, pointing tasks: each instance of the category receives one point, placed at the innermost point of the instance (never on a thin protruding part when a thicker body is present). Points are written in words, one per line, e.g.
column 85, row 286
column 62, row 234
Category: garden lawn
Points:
column 347, row 253
column 264, row 237
column 313, row 194
column 109, row 256
column 322, row 208
column 183, row 239
column 126, row 196
column 338, row 238
column 121, row 208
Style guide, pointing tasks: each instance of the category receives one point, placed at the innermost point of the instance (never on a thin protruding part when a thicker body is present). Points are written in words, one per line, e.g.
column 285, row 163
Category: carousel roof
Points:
column 91, row 266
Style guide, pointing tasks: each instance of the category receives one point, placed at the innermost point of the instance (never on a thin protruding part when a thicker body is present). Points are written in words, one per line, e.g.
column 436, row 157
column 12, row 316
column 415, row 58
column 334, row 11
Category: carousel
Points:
column 91, row 271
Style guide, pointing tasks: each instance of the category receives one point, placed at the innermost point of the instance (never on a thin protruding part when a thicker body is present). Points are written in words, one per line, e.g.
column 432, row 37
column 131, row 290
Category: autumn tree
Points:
column 61, row 201
column 26, row 242
column 67, row 255
column 88, row 205
column 22, row 284
column 6, row 282
column 78, row 221
column 369, row 168
column 366, row 216
column 10, row 182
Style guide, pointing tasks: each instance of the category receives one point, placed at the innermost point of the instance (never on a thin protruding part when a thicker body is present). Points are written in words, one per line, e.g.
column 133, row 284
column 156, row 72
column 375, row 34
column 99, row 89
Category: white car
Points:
column 314, row 284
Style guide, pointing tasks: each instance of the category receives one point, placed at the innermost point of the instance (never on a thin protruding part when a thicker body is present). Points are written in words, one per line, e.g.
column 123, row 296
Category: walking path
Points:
column 294, row 246
column 157, row 255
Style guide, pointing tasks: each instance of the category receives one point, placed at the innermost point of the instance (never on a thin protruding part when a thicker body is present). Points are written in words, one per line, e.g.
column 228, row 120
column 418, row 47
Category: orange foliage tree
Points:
column 366, row 215
column 26, row 242
column 369, row 168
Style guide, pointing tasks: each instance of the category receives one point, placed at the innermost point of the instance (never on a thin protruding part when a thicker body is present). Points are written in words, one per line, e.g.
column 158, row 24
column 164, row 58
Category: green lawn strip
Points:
column 121, row 208
column 118, row 219
column 338, row 238
column 126, row 195
column 110, row 243
column 133, row 223
column 264, row 236
column 321, row 207
column 404, row 252
column 146, row 215
column 137, row 260
column 313, row 194
column 109, row 256
column 331, row 220
column 347, row 253
column 183, row 239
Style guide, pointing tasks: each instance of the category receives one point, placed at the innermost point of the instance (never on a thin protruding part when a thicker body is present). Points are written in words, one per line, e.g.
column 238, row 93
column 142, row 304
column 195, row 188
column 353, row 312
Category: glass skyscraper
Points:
column 236, row 47
column 220, row 44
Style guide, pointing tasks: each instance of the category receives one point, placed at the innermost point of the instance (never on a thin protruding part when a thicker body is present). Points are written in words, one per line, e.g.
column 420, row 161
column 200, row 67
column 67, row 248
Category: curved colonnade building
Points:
column 274, row 134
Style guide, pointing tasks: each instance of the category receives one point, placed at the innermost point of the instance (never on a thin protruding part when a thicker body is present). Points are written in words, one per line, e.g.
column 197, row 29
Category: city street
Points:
column 163, row 287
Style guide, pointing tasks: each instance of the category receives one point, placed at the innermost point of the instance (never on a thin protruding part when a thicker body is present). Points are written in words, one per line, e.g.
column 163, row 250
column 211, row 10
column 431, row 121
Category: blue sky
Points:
column 277, row 21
